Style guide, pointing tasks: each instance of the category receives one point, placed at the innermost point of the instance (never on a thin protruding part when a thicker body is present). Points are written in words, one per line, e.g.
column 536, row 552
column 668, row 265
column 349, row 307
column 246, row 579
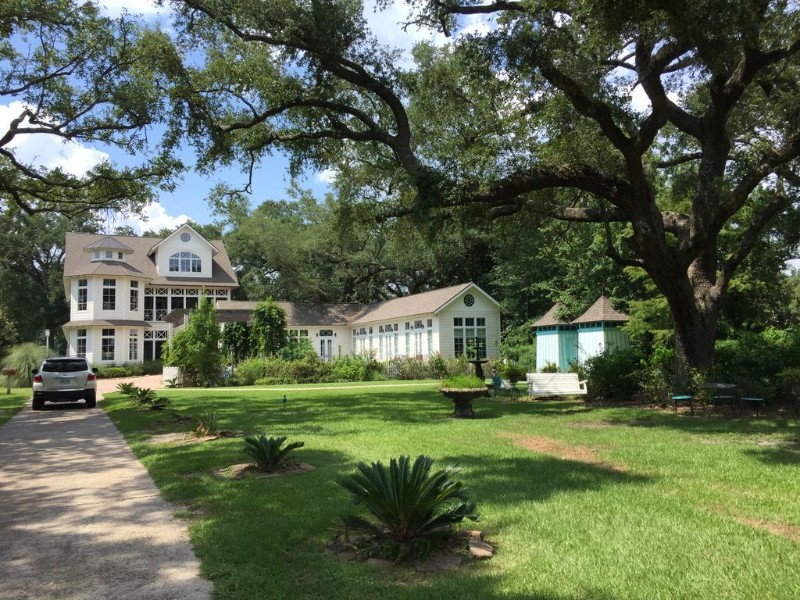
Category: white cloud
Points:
column 640, row 101
column 387, row 25
column 48, row 151
column 115, row 8
column 327, row 176
column 154, row 218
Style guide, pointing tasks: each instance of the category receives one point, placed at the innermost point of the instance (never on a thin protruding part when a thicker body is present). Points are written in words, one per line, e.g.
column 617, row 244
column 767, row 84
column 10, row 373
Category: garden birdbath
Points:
column 478, row 364
column 462, row 400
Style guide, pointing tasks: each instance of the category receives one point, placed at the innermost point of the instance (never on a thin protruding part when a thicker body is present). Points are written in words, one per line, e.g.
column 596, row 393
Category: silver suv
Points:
column 64, row 379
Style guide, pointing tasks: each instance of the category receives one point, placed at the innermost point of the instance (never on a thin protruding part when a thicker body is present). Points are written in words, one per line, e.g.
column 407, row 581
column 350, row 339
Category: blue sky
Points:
column 188, row 201
column 271, row 180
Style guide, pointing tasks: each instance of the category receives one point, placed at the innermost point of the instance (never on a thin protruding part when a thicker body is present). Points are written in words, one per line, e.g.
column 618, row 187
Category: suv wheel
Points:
column 38, row 404
column 91, row 399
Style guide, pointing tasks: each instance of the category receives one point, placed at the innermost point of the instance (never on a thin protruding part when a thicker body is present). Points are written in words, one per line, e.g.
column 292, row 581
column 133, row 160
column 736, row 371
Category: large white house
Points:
column 121, row 290
column 457, row 320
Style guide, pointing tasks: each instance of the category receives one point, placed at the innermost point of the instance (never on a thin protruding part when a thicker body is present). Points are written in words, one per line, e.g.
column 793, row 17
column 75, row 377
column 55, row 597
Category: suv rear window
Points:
column 64, row 366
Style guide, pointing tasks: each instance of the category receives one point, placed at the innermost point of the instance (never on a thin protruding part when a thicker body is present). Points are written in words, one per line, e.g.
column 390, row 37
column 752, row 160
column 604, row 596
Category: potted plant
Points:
column 462, row 390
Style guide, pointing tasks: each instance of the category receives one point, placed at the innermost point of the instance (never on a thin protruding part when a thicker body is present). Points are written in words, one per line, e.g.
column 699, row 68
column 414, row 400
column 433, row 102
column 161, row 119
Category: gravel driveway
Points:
column 81, row 519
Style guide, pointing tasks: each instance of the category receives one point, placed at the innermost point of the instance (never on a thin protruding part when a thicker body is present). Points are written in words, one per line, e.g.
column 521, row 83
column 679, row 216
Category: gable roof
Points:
column 297, row 314
column 300, row 314
column 139, row 262
column 415, row 304
column 180, row 230
column 601, row 310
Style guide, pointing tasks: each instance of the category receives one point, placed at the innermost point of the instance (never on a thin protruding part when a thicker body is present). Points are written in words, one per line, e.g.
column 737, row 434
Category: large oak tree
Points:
column 69, row 75
column 536, row 115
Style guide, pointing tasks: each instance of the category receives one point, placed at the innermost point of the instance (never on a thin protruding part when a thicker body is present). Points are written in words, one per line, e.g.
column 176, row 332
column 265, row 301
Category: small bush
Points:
column 438, row 365
column 349, row 368
column 613, row 374
column 126, row 388
column 207, row 423
column 249, row 371
column 146, row 398
column 412, row 509
column 269, row 453
column 152, row 367
column 137, row 369
column 113, row 371
column 514, row 372
column 24, row 358
column 408, row 369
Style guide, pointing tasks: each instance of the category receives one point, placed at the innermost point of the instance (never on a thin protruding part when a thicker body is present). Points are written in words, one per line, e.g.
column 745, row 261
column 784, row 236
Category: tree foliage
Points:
column 32, row 270
column 195, row 347
column 534, row 117
column 70, row 75
column 268, row 333
column 8, row 334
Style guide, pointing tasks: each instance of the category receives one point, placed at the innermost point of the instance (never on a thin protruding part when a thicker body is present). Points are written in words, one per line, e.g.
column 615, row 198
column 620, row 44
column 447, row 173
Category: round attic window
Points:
column 185, row 237
column 469, row 300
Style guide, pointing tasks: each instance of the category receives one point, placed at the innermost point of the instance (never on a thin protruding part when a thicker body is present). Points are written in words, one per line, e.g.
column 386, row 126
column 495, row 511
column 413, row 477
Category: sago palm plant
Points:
column 413, row 509
column 126, row 388
column 269, row 453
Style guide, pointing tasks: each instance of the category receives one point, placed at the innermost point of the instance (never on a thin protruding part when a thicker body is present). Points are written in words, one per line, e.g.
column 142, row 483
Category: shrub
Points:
column 195, row 347
column 412, row 509
column 613, row 374
column 207, row 423
column 146, row 398
column 408, row 369
column 349, row 368
column 268, row 453
column 549, row 367
column 137, row 369
column 514, row 372
column 24, row 358
column 249, row 371
column 126, row 388
column 438, row 365
column 152, row 367
column 654, row 382
column 112, row 371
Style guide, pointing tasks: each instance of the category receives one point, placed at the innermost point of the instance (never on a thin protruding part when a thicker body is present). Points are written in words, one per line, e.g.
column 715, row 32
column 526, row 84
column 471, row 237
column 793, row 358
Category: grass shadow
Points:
column 536, row 478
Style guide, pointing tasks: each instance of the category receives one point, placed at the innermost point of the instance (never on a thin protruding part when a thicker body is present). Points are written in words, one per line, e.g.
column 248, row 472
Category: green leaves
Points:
column 268, row 453
column 412, row 508
column 195, row 347
column 71, row 74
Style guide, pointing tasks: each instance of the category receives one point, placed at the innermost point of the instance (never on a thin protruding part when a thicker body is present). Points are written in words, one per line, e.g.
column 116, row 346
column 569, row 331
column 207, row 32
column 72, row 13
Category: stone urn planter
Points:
column 462, row 400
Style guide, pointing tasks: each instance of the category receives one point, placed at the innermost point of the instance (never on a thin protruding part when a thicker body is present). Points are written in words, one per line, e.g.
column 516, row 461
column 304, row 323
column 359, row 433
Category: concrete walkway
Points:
column 80, row 518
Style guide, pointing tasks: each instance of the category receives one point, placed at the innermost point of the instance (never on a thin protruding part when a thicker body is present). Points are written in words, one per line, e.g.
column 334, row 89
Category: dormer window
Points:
column 185, row 262
column 108, row 248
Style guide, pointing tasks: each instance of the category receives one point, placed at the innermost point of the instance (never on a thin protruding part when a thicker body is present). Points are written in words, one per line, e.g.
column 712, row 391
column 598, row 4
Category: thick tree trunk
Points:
column 695, row 335
column 694, row 303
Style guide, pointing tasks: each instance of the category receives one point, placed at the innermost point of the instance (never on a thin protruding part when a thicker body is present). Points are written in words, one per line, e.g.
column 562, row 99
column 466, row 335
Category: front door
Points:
column 326, row 348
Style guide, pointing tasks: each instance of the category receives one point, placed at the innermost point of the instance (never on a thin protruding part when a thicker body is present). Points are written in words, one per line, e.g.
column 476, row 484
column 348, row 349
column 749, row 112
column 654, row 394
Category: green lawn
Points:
column 579, row 502
column 11, row 404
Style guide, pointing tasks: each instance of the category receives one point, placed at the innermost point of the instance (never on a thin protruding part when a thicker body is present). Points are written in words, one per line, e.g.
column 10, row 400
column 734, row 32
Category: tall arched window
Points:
column 185, row 262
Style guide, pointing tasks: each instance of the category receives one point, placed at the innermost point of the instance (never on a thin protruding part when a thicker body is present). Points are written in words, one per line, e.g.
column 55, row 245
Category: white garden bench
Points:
column 555, row 384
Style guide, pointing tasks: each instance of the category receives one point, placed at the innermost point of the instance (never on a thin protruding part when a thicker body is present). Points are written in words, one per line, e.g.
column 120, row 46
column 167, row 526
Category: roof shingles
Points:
column 138, row 263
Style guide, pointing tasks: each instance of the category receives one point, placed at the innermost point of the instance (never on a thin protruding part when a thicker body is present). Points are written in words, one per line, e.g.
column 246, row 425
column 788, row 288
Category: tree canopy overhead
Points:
column 69, row 75
column 539, row 114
